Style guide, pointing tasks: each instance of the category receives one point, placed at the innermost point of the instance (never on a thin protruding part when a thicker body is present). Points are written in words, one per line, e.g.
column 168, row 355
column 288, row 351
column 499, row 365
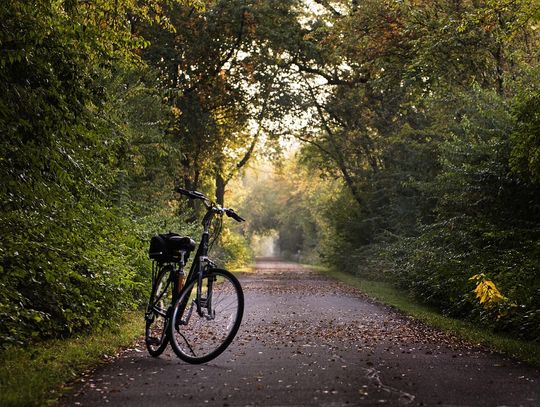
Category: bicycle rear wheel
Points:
column 156, row 335
column 199, row 334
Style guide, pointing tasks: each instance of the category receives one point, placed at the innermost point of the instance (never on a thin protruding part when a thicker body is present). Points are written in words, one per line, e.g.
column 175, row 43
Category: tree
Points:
column 207, row 70
column 391, row 87
column 525, row 139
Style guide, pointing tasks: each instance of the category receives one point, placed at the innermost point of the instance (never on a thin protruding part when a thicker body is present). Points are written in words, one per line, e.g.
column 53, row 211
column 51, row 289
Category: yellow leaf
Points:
column 487, row 292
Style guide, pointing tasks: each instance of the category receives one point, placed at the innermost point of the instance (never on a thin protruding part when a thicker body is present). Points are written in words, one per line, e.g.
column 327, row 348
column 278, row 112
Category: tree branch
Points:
column 260, row 118
column 330, row 79
column 314, row 143
column 338, row 157
column 329, row 7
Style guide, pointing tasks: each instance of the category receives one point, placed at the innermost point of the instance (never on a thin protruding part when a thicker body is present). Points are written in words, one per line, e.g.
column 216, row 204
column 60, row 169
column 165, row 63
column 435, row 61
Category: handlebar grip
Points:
column 232, row 214
column 190, row 194
column 238, row 218
column 182, row 191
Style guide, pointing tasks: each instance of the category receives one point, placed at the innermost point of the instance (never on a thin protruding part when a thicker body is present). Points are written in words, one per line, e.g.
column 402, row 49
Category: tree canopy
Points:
column 417, row 120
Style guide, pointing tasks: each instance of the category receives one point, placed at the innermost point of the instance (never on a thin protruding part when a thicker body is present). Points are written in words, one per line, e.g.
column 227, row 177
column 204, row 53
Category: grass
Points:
column 387, row 294
column 245, row 269
column 35, row 376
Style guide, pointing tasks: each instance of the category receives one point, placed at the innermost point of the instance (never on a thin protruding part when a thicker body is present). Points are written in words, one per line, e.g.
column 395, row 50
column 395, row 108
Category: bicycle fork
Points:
column 201, row 301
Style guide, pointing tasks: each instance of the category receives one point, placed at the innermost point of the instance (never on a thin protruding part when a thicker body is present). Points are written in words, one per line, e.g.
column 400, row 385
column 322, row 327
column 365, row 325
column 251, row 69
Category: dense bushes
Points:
column 477, row 214
column 487, row 222
column 70, row 259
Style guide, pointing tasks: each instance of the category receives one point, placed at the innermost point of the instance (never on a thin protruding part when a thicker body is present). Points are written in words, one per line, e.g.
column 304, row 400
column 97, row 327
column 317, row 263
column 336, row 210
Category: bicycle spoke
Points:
column 206, row 335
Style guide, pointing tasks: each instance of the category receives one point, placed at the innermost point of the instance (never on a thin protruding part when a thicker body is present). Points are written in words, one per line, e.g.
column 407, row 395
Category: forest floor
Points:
column 309, row 340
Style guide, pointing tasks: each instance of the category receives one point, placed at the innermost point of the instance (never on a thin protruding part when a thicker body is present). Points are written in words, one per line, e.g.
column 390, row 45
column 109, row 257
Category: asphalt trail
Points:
column 307, row 340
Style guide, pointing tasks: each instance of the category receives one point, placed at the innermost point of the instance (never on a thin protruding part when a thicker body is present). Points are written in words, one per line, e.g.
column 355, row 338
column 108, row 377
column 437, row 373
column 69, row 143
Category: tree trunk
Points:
column 220, row 188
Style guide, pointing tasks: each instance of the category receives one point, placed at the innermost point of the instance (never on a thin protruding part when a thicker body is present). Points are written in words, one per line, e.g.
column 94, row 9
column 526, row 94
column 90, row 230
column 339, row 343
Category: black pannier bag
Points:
column 166, row 247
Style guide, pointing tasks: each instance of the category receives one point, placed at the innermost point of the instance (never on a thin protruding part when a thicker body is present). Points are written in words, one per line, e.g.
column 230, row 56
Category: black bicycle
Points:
column 199, row 314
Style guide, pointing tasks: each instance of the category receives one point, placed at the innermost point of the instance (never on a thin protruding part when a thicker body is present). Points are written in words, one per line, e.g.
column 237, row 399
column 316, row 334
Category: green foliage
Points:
column 98, row 124
column 218, row 73
column 525, row 139
column 233, row 250
column 411, row 108
column 430, row 224
column 70, row 260
column 487, row 223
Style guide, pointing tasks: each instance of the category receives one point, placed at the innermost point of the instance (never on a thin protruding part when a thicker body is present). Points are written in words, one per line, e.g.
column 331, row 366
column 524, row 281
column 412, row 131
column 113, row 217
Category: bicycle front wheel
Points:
column 156, row 335
column 202, row 326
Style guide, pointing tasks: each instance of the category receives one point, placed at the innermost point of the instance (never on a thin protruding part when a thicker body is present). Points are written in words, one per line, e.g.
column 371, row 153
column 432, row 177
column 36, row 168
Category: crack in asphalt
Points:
column 404, row 397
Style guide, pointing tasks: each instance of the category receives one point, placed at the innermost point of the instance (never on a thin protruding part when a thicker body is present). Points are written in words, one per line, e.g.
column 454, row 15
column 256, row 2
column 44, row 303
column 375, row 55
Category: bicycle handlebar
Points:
column 209, row 204
column 191, row 194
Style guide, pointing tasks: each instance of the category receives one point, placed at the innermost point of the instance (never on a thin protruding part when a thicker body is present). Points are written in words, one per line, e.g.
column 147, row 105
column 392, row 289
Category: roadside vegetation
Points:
column 388, row 294
column 38, row 376
column 419, row 165
column 105, row 106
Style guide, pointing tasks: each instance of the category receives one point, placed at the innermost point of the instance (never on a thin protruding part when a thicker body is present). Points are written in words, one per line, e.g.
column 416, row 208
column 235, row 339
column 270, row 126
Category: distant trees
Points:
column 289, row 202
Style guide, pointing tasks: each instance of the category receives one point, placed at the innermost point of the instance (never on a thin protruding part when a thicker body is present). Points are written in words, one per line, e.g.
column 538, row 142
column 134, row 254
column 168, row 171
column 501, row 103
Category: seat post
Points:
column 180, row 273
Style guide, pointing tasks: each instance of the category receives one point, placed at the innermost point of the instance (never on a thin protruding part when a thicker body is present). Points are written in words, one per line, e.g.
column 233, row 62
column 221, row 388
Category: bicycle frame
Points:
column 201, row 257
column 201, row 260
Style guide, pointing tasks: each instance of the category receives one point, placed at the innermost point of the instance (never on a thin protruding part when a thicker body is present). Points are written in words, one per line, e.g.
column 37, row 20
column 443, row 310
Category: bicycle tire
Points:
column 156, row 333
column 199, row 338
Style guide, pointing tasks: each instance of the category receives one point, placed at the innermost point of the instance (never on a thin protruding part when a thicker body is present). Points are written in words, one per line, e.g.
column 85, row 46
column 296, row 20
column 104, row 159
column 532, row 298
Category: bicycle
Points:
column 199, row 315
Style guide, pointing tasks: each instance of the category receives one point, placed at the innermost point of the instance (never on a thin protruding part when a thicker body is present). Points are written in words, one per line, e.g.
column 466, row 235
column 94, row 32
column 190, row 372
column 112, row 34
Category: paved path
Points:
column 306, row 340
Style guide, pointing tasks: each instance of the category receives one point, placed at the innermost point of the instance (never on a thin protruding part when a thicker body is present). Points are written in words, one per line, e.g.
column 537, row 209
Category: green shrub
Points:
column 234, row 250
column 488, row 222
